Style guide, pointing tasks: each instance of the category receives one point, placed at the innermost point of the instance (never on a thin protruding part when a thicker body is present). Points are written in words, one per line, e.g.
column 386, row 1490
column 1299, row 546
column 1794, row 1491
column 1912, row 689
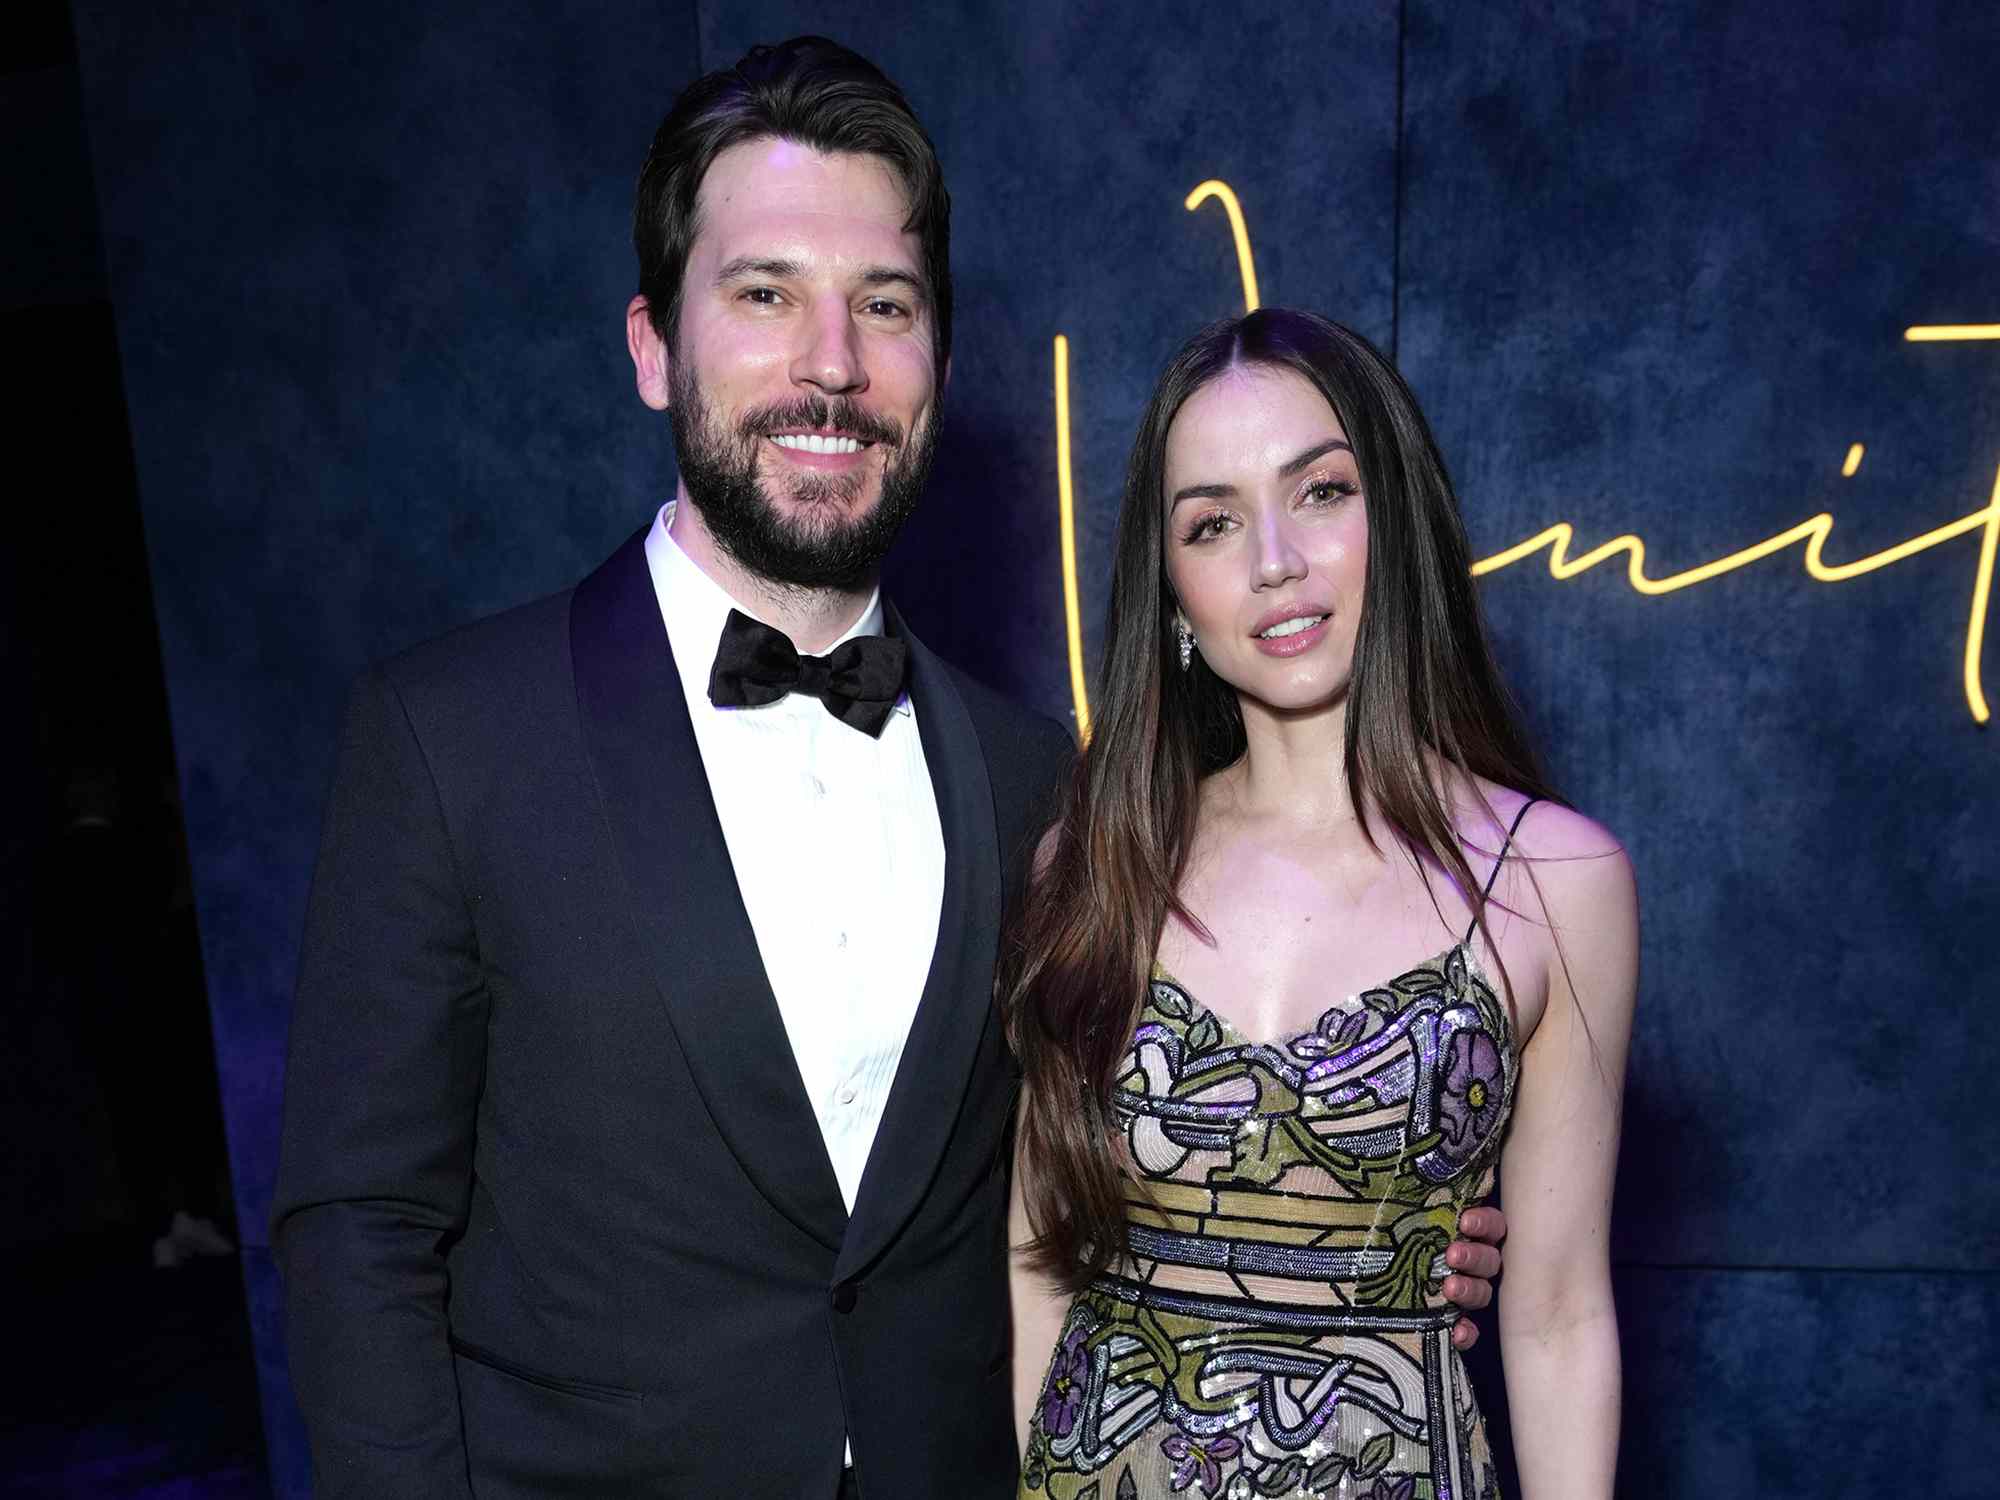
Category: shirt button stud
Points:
column 846, row 1095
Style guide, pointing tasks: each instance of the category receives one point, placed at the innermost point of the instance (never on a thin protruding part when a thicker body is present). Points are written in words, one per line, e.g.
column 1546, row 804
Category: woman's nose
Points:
column 1278, row 558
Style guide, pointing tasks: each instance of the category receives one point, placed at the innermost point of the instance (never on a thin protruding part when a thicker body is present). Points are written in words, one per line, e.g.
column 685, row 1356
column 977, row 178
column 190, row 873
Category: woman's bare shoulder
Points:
column 1580, row 867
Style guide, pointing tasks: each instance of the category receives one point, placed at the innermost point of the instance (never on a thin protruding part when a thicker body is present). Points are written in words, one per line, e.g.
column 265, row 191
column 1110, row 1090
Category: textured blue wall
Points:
column 1648, row 267
column 1656, row 266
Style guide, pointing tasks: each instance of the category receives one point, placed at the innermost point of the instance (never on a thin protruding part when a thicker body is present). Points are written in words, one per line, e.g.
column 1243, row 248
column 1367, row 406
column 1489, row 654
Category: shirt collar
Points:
column 693, row 606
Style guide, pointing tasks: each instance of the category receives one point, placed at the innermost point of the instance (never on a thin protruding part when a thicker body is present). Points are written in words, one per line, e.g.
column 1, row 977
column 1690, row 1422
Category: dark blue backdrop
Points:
column 1649, row 268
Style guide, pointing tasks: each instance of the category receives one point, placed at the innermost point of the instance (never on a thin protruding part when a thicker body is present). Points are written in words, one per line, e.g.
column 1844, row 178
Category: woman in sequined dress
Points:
column 1312, row 951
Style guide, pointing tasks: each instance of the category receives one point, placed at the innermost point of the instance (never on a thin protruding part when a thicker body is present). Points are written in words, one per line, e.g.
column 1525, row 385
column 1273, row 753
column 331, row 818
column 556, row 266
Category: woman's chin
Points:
column 1293, row 696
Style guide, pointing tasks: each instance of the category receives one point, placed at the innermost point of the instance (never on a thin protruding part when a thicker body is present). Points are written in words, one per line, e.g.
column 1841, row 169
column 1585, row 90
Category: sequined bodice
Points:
column 1279, row 1327
column 1326, row 1168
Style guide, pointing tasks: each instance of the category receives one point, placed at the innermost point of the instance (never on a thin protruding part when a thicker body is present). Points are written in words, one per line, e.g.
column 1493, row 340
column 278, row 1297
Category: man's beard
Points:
column 824, row 545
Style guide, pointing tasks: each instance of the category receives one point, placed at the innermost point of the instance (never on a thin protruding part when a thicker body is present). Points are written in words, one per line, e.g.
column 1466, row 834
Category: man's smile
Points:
column 825, row 452
column 814, row 442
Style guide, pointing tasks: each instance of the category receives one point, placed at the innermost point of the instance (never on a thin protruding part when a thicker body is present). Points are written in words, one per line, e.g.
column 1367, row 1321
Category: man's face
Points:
column 803, row 383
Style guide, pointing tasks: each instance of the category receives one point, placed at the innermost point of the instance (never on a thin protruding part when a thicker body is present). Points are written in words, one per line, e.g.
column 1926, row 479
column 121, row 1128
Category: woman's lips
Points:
column 1296, row 643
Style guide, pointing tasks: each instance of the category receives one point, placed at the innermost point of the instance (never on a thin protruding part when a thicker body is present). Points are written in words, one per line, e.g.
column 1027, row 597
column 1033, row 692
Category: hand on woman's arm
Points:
column 1558, row 1331
column 1474, row 1262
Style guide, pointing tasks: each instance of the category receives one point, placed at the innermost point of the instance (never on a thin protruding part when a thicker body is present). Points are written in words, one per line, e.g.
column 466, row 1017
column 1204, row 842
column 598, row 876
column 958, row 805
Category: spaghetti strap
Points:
column 1499, row 860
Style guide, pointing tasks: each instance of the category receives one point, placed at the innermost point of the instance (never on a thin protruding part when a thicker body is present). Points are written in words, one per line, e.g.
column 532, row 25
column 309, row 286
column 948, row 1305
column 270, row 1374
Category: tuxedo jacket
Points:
column 553, row 1210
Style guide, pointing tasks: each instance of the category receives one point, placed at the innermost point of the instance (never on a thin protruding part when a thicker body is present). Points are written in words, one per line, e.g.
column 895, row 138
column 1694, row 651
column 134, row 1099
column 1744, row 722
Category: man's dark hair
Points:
column 809, row 90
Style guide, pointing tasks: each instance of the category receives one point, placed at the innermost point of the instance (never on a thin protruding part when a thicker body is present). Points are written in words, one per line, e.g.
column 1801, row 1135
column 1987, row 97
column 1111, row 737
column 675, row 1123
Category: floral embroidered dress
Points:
column 1279, row 1329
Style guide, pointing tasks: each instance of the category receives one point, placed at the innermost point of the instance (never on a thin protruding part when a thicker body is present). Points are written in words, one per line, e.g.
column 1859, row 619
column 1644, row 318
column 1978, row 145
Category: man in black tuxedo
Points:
column 646, row 1110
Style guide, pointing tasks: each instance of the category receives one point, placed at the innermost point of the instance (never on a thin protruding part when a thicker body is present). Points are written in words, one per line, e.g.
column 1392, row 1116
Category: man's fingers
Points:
column 1467, row 1292
column 1473, row 1259
column 1464, row 1334
column 1488, row 1224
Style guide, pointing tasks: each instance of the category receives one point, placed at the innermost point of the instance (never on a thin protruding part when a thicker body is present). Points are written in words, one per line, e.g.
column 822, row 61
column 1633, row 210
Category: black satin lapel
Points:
column 686, row 908
column 957, row 1004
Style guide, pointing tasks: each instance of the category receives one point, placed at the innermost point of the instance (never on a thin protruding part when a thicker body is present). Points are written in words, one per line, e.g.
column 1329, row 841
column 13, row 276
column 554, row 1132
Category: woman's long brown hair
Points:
column 1424, row 696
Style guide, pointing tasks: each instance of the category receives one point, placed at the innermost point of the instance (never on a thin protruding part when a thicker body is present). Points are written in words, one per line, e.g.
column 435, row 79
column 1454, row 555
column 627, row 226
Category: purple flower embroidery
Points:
column 1062, row 1399
column 1469, row 1095
column 1194, row 1459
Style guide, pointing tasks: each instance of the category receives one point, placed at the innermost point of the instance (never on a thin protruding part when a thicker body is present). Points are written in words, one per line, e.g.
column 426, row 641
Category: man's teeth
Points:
column 1291, row 627
column 812, row 442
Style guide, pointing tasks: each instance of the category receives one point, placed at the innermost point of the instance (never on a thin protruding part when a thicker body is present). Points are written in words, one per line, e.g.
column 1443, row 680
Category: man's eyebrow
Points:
column 777, row 268
column 1292, row 466
column 893, row 276
column 744, row 266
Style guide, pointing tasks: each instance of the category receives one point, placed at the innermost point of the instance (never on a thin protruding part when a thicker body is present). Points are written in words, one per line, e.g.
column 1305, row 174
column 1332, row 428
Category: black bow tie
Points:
column 859, row 681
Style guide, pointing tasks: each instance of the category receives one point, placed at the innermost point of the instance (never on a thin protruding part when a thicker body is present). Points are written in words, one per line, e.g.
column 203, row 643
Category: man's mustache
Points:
column 820, row 414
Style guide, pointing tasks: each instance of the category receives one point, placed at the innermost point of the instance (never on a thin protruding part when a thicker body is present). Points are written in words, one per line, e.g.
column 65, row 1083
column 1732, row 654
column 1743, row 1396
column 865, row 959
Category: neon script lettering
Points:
column 1556, row 540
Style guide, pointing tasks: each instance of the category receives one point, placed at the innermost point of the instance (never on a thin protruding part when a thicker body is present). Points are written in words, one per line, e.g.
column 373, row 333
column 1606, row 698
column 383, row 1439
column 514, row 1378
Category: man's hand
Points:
column 1474, row 1259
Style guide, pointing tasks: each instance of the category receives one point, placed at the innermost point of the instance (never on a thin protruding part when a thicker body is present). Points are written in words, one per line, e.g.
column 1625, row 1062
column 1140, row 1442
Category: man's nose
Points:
column 1276, row 555
column 829, row 352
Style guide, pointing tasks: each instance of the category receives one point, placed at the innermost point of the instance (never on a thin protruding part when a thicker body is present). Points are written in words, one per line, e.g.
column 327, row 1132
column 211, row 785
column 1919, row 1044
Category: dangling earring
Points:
column 1186, row 634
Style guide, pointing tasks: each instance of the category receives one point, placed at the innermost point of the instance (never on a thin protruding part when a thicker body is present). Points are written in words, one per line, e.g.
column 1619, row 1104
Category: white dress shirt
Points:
column 838, row 854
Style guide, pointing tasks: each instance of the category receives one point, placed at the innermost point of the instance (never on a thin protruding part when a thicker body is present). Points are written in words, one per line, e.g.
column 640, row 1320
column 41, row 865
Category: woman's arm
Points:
column 1038, row 1305
column 1038, row 1309
column 1558, row 1332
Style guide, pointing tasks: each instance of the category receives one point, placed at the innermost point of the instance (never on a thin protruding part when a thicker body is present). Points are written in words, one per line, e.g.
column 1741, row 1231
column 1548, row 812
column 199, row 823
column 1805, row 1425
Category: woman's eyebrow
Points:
column 1319, row 450
column 1202, row 492
column 1286, row 470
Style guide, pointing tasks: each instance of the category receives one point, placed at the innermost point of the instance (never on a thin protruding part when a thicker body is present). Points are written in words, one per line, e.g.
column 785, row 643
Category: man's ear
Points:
column 649, row 354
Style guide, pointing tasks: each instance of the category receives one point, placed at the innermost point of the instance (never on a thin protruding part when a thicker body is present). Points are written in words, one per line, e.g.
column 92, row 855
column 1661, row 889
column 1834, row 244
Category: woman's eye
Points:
column 1329, row 491
column 1207, row 527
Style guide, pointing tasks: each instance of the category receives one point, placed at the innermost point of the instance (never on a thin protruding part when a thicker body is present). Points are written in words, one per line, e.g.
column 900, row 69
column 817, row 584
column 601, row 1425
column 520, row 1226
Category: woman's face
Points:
column 1267, row 536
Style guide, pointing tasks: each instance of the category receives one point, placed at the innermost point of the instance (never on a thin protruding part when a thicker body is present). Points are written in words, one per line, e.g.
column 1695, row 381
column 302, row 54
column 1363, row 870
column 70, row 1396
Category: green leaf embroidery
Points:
column 1419, row 982
column 1127, row 1489
column 1375, row 1455
column 1284, row 1477
column 1170, row 1002
column 1088, row 1492
column 1203, row 1035
column 1326, row 1473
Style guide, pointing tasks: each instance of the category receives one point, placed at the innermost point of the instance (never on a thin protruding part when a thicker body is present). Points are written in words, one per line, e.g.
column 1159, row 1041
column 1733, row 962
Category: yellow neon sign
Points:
column 1951, row 333
column 1813, row 533
column 1066, row 501
column 1557, row 538
column 1246, row 267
